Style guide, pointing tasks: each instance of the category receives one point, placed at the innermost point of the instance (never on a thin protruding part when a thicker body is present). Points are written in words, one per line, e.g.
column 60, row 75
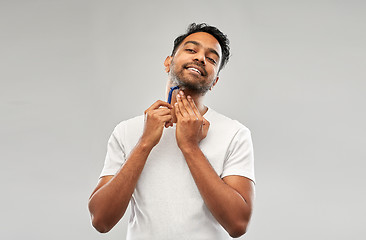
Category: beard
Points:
column 186, row 81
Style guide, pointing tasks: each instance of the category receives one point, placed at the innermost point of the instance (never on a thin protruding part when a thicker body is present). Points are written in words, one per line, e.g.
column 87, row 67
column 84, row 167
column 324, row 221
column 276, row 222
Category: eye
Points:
column 212, row 60
column 190, row 50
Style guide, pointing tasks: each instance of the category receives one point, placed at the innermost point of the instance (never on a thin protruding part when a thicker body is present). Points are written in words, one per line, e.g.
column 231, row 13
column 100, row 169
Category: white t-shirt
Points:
column 166, row 203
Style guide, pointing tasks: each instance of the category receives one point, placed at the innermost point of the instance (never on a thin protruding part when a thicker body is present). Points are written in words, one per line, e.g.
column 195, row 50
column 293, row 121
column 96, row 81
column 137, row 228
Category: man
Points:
column 187, row 170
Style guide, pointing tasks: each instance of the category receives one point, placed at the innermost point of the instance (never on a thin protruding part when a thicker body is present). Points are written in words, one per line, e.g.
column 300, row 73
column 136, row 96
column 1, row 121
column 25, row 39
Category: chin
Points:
column 188, row 82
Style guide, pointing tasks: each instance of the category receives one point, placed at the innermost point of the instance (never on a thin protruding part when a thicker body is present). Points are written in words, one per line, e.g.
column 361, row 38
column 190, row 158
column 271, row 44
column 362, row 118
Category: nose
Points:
column 200, row 57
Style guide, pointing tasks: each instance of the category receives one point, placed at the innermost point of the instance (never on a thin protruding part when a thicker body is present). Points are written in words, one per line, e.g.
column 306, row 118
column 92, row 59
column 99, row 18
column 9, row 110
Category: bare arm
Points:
column 110, row 199
column 229, row 199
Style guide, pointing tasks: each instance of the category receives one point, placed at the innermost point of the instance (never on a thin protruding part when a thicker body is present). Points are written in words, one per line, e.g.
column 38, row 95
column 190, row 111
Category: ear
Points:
column 214, row 82
column 167, row 63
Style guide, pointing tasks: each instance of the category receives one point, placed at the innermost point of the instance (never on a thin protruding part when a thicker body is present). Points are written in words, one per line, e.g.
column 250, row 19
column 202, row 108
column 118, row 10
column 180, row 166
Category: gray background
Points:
column 71, row 70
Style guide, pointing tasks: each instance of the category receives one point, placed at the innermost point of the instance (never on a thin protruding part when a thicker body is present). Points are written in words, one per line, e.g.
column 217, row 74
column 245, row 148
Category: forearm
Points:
column 108, row 204
column 228, row 207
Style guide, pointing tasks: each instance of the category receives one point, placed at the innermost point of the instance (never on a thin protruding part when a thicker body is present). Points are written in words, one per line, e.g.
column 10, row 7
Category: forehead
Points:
column 205, row 39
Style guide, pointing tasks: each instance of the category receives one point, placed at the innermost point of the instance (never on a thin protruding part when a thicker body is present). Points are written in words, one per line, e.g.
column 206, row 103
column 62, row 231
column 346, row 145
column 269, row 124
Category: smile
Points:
column 195, row 70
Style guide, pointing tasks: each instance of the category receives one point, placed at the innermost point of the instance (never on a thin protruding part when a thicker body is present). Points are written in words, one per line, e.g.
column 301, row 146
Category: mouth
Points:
column 196, row 70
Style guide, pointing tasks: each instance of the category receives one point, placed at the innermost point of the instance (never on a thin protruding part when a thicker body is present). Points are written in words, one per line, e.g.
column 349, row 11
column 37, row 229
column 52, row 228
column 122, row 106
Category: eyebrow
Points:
column 200, row 45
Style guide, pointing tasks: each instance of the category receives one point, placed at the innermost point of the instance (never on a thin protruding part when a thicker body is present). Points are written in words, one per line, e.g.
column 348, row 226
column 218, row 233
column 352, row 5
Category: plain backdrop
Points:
column 73, row 69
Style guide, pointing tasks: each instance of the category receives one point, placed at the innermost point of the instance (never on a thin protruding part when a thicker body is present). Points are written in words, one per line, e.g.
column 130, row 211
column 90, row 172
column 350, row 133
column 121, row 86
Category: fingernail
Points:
column 189, row 97
column 181, row 93
column 178, row 96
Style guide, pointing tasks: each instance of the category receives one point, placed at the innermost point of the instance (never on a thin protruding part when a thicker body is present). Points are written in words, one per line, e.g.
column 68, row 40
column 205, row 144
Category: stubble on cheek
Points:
column 184, row 80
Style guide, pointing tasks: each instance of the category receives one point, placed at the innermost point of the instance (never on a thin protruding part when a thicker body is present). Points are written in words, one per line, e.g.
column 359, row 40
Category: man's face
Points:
column 195, row 65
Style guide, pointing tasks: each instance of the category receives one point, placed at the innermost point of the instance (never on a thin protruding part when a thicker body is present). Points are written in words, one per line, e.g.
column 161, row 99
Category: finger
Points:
column 194, row 107
column 178, row 113
column 159, row 104
column 168, row 124
column 187, row 105
column 182, row 108
column 166, row 118
column 162, row 111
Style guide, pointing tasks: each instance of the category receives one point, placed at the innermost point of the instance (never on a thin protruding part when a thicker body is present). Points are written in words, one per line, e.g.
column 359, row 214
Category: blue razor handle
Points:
column 171, row 93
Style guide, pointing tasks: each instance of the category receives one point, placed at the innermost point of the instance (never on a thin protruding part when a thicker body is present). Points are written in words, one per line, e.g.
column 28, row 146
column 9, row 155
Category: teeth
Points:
column 194, row 69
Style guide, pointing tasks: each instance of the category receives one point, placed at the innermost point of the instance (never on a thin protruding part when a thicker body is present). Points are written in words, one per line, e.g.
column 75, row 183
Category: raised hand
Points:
column 156, row 117
column 191, row 126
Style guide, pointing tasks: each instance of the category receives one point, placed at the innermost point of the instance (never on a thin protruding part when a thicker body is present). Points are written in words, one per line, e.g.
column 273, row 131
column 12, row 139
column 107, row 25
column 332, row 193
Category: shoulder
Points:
column 225, row 123
column 132, row 123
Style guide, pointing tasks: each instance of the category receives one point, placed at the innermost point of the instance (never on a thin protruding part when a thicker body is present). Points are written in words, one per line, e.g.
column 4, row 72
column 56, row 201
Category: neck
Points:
column 197, row 98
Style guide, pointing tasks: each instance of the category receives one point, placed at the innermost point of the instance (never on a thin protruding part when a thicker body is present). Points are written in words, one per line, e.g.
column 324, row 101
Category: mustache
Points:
column 197, row 64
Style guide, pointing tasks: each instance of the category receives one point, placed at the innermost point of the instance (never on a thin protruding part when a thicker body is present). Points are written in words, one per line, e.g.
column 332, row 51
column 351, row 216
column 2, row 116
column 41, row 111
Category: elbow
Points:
column 100, row 226
column 101, row 220
column 238, row 230
column 97, row 221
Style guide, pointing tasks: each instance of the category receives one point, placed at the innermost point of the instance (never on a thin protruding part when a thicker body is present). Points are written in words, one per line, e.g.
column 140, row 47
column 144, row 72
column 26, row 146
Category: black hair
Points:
column 215, row 32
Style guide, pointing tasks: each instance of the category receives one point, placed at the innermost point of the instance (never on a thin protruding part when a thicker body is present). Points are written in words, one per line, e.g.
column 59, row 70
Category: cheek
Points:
column 212, row 71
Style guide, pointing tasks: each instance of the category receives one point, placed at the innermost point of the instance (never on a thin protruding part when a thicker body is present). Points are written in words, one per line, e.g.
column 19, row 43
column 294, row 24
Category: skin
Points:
column 230, row 200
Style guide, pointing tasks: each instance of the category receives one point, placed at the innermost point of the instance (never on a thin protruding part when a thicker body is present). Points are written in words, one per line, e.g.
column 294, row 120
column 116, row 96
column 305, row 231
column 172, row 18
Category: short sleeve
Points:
column 240, row 157
column 115, row 156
